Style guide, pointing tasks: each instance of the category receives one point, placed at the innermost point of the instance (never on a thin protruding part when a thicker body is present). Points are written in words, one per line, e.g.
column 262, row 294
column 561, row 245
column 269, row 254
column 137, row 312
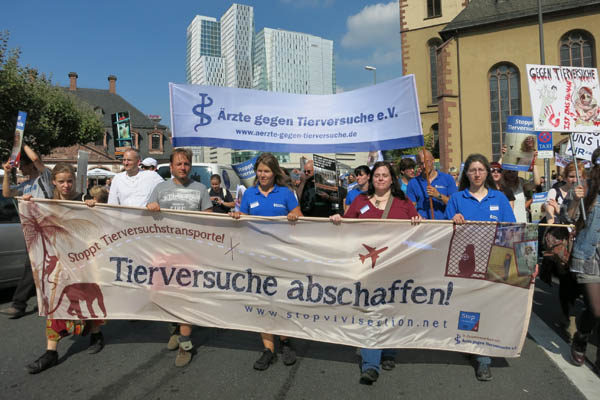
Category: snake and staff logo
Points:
column 205, row 119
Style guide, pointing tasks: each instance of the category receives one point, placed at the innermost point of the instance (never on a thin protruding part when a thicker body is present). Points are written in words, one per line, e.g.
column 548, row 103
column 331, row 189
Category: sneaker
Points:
column 483, row 373
column 12, row 312
column 47, row 360
column 183, row 358
column 388, row 363
column 288, row 355
column 368, row 377
column 173, row 343
column 96, row 343
column 578, row 351
column 266, row 359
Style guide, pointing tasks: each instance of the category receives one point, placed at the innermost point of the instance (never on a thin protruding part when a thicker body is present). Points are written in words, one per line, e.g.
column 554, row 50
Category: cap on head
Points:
column 149, row 162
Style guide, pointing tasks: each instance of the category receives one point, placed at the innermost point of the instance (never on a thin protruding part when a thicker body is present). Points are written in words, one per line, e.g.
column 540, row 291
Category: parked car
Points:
column 201, row 172
column 13, row 253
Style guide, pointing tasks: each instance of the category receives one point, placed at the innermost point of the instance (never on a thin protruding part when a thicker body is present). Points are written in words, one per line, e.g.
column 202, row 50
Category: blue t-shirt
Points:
column 417, row 193
column 279, row 202
column 352, row 195
column 403, row 185
column 493, row 207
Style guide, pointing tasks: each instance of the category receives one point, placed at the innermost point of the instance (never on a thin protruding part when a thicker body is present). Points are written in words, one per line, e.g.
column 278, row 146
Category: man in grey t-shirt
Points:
column 180, row 193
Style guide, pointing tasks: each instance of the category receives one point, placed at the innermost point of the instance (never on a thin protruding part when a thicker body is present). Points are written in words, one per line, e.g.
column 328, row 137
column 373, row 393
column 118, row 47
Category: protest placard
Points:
column 564, row 99
column 325, row 175
column 520, row 141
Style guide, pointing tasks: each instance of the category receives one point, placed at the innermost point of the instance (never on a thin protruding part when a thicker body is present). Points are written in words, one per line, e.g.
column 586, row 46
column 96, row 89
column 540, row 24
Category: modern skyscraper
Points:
column 228, row 53
column 204, row 65
column 237, row 34
column 293, row 62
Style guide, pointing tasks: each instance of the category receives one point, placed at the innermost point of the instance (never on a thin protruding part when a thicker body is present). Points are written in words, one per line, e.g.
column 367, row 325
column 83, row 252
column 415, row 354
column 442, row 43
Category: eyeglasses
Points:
column 307, row 171
column 499, row 170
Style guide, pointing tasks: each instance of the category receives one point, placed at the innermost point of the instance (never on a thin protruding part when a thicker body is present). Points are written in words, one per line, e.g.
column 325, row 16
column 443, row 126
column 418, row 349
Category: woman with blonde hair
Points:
column 63, row 179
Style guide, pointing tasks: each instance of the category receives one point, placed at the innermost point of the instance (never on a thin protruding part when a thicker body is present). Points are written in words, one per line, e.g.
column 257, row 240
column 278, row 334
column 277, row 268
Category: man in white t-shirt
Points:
column 132, row 187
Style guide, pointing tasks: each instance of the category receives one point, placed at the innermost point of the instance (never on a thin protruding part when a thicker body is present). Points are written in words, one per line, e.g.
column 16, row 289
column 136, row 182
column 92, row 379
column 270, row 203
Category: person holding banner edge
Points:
column 63, row 179
column 180, row 193
column 270, row 197
column 476, row 200
column 39, row 185
column 384, row 199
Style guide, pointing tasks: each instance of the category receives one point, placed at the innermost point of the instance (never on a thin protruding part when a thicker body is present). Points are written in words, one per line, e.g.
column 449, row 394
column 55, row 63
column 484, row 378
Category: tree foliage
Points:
column 54, row 117
column 396, row 155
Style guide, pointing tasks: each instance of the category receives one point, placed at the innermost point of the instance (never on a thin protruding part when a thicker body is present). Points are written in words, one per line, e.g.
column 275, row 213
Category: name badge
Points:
column 364, row 209
column 278, row 205
column 494, row 208
column 253, row 205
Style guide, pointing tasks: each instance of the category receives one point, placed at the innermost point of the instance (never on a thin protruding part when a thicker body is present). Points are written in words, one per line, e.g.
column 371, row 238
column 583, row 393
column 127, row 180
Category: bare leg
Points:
column 268, row 341
column 185, row 329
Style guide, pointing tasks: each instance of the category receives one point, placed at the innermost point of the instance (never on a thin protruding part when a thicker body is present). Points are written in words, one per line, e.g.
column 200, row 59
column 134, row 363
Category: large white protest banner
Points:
column 564, row 99
column 380, row 117
column 376, row 284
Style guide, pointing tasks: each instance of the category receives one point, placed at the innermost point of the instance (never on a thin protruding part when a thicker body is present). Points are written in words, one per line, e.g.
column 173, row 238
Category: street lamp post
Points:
column 369, row 68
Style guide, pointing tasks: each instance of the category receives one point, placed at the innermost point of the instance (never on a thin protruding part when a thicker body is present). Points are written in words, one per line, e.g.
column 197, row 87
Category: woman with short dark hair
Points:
column 384, row 199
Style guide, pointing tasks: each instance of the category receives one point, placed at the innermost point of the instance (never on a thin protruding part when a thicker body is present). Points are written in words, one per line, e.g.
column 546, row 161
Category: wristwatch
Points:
column 439, row 196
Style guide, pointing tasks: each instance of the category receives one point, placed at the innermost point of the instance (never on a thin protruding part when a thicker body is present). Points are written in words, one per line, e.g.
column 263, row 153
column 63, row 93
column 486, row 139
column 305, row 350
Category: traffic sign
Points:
column 544, row 144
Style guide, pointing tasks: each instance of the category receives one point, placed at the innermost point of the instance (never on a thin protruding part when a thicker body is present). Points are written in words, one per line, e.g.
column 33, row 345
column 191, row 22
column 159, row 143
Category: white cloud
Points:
column 377, row 25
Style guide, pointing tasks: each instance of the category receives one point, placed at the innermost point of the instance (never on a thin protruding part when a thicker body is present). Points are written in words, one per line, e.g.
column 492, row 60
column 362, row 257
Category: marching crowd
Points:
column 411, row 190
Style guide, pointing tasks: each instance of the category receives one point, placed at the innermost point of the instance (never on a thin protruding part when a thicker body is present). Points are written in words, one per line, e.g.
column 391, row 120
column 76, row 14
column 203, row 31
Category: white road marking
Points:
column 559, row 352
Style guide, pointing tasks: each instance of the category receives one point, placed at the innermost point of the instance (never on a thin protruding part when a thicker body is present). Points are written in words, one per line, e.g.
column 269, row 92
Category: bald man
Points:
column 441, row 188
column 313, row 202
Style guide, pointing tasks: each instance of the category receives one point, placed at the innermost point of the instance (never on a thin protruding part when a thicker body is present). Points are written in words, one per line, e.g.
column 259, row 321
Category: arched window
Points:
column 577, row 49
column 505, row 100
column 432, row 46
column 435, row 149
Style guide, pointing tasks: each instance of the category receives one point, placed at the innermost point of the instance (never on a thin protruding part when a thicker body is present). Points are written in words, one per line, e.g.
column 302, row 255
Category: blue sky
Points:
column 143, row 42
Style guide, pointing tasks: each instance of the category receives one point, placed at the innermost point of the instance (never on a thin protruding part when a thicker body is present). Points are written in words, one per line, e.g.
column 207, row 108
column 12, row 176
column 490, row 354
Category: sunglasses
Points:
column 496, row 170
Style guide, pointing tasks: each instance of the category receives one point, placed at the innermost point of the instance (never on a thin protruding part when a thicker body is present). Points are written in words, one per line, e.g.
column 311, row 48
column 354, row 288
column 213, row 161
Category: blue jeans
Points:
column 371, row 358
column 483, row 360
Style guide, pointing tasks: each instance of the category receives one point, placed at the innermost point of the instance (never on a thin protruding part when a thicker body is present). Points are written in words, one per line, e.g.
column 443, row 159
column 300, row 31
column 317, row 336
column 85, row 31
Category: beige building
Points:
column 469, row 58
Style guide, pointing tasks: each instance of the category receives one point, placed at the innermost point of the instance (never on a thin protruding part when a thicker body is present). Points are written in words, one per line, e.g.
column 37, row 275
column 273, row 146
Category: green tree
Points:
column 54, row 117
column 396, row 155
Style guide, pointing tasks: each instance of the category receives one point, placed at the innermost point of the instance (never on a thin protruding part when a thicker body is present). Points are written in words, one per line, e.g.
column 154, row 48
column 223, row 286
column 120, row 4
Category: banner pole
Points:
column 577, row 175
column 428, row 182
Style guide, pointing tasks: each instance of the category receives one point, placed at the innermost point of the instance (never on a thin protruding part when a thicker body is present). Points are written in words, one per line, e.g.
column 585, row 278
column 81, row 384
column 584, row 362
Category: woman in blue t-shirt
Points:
column 270, row 197
column 477, row 201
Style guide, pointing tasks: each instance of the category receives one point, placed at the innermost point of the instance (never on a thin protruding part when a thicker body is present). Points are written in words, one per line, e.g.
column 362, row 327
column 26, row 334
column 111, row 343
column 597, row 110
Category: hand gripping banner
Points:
column 380, row 117
column 375, row 284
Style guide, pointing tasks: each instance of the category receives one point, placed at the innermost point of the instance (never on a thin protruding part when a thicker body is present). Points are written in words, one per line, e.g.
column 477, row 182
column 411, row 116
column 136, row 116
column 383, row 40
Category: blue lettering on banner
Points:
column 205, row 119
column 468, row 321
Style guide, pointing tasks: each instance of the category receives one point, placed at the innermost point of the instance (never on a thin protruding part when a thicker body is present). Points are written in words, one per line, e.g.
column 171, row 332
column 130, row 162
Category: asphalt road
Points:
column 135, row 364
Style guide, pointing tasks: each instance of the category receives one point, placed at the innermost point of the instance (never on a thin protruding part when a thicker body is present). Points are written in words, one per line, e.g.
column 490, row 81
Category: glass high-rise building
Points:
column 293, row 62
column 228, row 53
column 204, row 65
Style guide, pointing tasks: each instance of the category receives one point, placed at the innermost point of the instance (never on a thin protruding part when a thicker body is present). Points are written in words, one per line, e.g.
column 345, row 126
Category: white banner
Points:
column 585, row 144
column 376, row 284
column 379, row 117
column 564, row 99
